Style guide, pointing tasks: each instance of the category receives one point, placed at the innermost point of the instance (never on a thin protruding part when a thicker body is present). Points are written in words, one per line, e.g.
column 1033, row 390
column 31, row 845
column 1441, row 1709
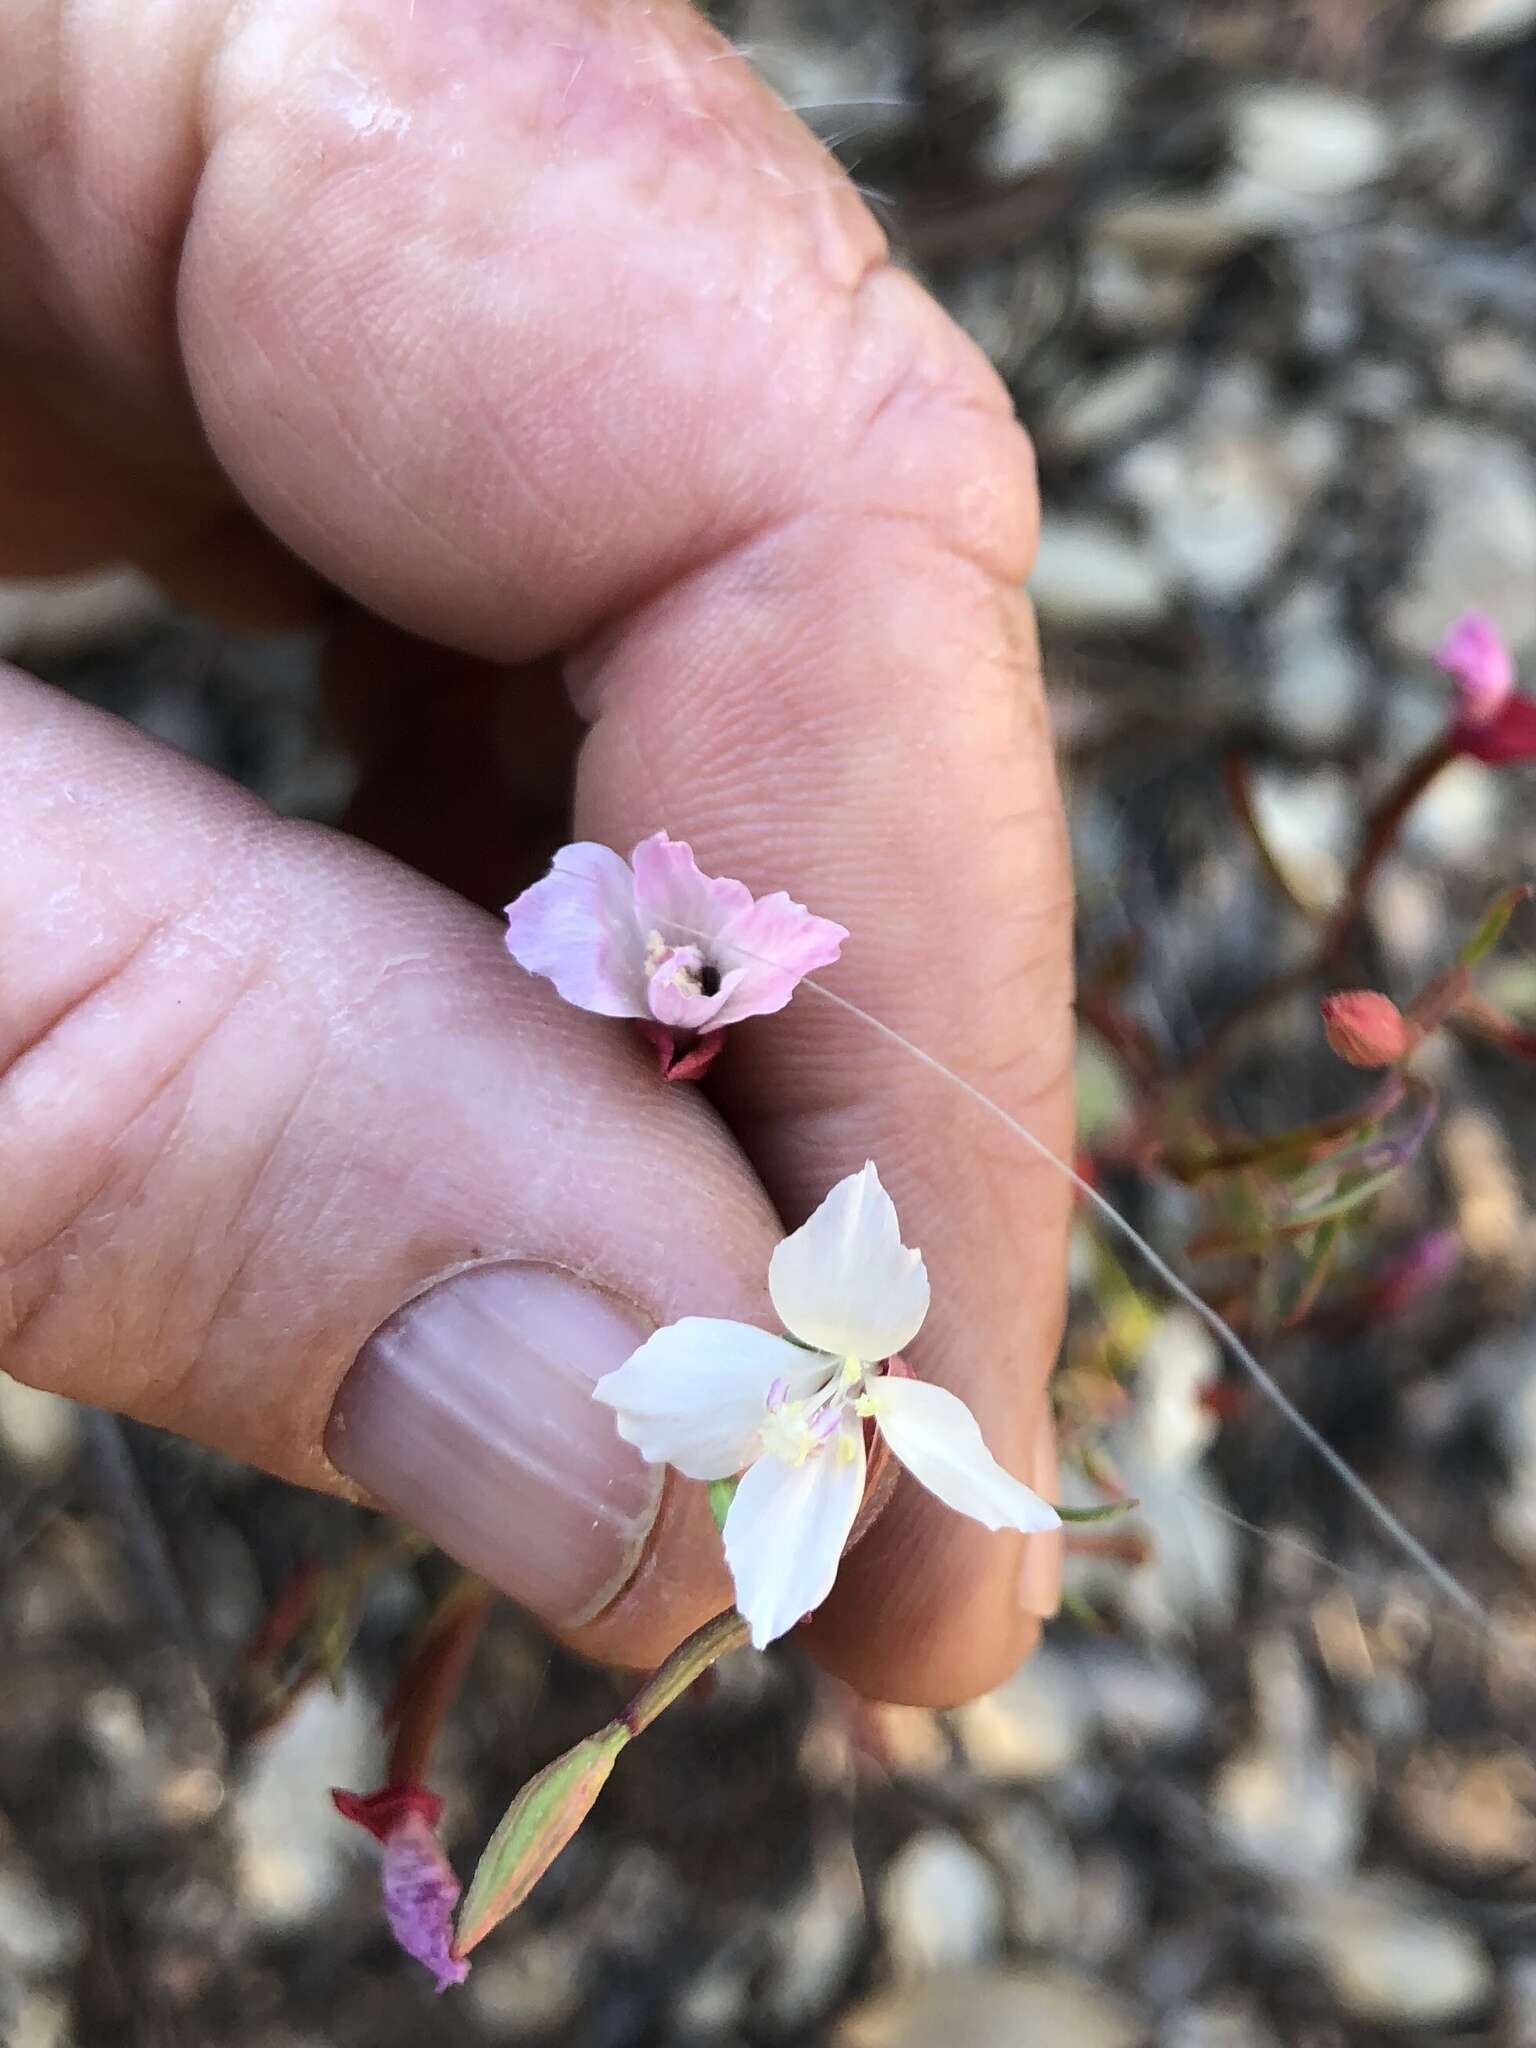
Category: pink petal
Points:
column 1474, row 654
column 578, row 927
column 419, row 1886
column 775, row 943
column 672, row 896
column 420, row 1893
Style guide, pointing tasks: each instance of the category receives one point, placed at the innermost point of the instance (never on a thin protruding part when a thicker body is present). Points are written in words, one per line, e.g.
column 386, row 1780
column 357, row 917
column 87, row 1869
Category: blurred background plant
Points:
column 1262, row 280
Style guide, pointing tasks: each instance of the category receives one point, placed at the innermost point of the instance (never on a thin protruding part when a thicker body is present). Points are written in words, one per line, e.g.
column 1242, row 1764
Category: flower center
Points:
column 681, row 967
column 796, row 1430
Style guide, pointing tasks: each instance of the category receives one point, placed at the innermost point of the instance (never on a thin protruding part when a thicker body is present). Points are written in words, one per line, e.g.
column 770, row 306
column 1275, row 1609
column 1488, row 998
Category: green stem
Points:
column 551, row 1807
column 690, row 1660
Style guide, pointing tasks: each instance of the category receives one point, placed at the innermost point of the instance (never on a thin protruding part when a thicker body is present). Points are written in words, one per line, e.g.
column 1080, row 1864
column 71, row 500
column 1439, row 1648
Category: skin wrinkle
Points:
column 106, row 993
column 58, row 1240
column 37, row 1030
column 250, row 1243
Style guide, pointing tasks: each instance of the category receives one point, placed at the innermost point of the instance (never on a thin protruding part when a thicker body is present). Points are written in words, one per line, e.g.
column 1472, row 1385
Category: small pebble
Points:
column 1482, row 24
column 1056, row 103
column 39, row 1430
column 1089, row 573
column 1308, row 141
column 1478, row 550
column 1390, row 1956
column 941, row 1904
column 815, row 1938
column 38, row 1932
column 1035, row 1725
column 294, row 1848
column 1226, row 496
column 1019, row 2008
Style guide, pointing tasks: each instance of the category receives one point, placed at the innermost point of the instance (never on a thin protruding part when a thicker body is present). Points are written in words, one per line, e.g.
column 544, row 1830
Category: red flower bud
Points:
column 1366, row 1028
column 1510, row 735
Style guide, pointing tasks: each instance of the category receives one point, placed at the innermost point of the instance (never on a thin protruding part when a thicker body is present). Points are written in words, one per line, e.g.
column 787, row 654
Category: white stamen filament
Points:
column 796, row 1430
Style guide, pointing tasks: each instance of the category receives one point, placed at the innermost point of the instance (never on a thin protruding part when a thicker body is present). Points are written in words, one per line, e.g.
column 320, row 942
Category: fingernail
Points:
column 470, row 1414
column 1040, row 1567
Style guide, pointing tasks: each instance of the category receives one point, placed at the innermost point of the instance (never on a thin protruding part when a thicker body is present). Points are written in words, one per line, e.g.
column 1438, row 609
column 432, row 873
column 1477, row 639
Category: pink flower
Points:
column 654, row 938
column 1495, row 721
column 420, row 1889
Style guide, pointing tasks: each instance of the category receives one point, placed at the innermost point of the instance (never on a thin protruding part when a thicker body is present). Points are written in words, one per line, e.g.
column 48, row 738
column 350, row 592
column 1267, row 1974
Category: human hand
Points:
column 523, row 330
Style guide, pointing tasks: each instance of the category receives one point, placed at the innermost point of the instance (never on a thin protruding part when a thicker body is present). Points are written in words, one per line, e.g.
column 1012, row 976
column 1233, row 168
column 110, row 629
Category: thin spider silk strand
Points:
column 1445, row 1581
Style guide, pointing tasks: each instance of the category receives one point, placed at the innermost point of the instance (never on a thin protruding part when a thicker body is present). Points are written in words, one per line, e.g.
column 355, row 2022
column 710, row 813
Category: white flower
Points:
column 715, row 1398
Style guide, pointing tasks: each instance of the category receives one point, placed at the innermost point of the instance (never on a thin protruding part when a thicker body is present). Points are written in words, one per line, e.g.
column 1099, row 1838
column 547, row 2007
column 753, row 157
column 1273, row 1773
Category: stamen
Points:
column 824, row 1423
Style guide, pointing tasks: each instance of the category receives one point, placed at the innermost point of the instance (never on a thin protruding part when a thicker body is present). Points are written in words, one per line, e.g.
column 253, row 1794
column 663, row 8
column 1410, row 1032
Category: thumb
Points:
column 296, row 1164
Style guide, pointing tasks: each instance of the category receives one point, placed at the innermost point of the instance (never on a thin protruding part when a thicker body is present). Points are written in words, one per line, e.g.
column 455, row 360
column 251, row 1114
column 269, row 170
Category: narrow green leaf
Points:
column 1490, row 927
column 534, row 1829
column 1344, row 1203
column 1075, row 1608
column 1317, row 1264
column 1110, row 1511
column 1288, row 1151
column 1294, row 1223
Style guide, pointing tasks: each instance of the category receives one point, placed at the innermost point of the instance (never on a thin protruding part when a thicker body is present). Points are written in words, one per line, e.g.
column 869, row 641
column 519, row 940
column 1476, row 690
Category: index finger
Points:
column 541, row 327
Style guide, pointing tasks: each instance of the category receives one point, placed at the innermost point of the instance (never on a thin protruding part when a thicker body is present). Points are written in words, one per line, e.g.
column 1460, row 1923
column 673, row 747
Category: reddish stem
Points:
column 1382, row 828
column 1239, row 783
column 431, row 1679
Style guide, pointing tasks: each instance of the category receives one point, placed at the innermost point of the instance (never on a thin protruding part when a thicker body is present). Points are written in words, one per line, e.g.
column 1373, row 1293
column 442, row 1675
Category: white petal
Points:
column 938, row 1439
column 785, row 1531
column 844, row 1281
column 694, row 1394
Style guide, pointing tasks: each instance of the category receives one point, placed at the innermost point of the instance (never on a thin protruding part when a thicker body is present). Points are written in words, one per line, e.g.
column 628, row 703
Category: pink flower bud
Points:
column 1366, row 1029
column 1474, row 655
